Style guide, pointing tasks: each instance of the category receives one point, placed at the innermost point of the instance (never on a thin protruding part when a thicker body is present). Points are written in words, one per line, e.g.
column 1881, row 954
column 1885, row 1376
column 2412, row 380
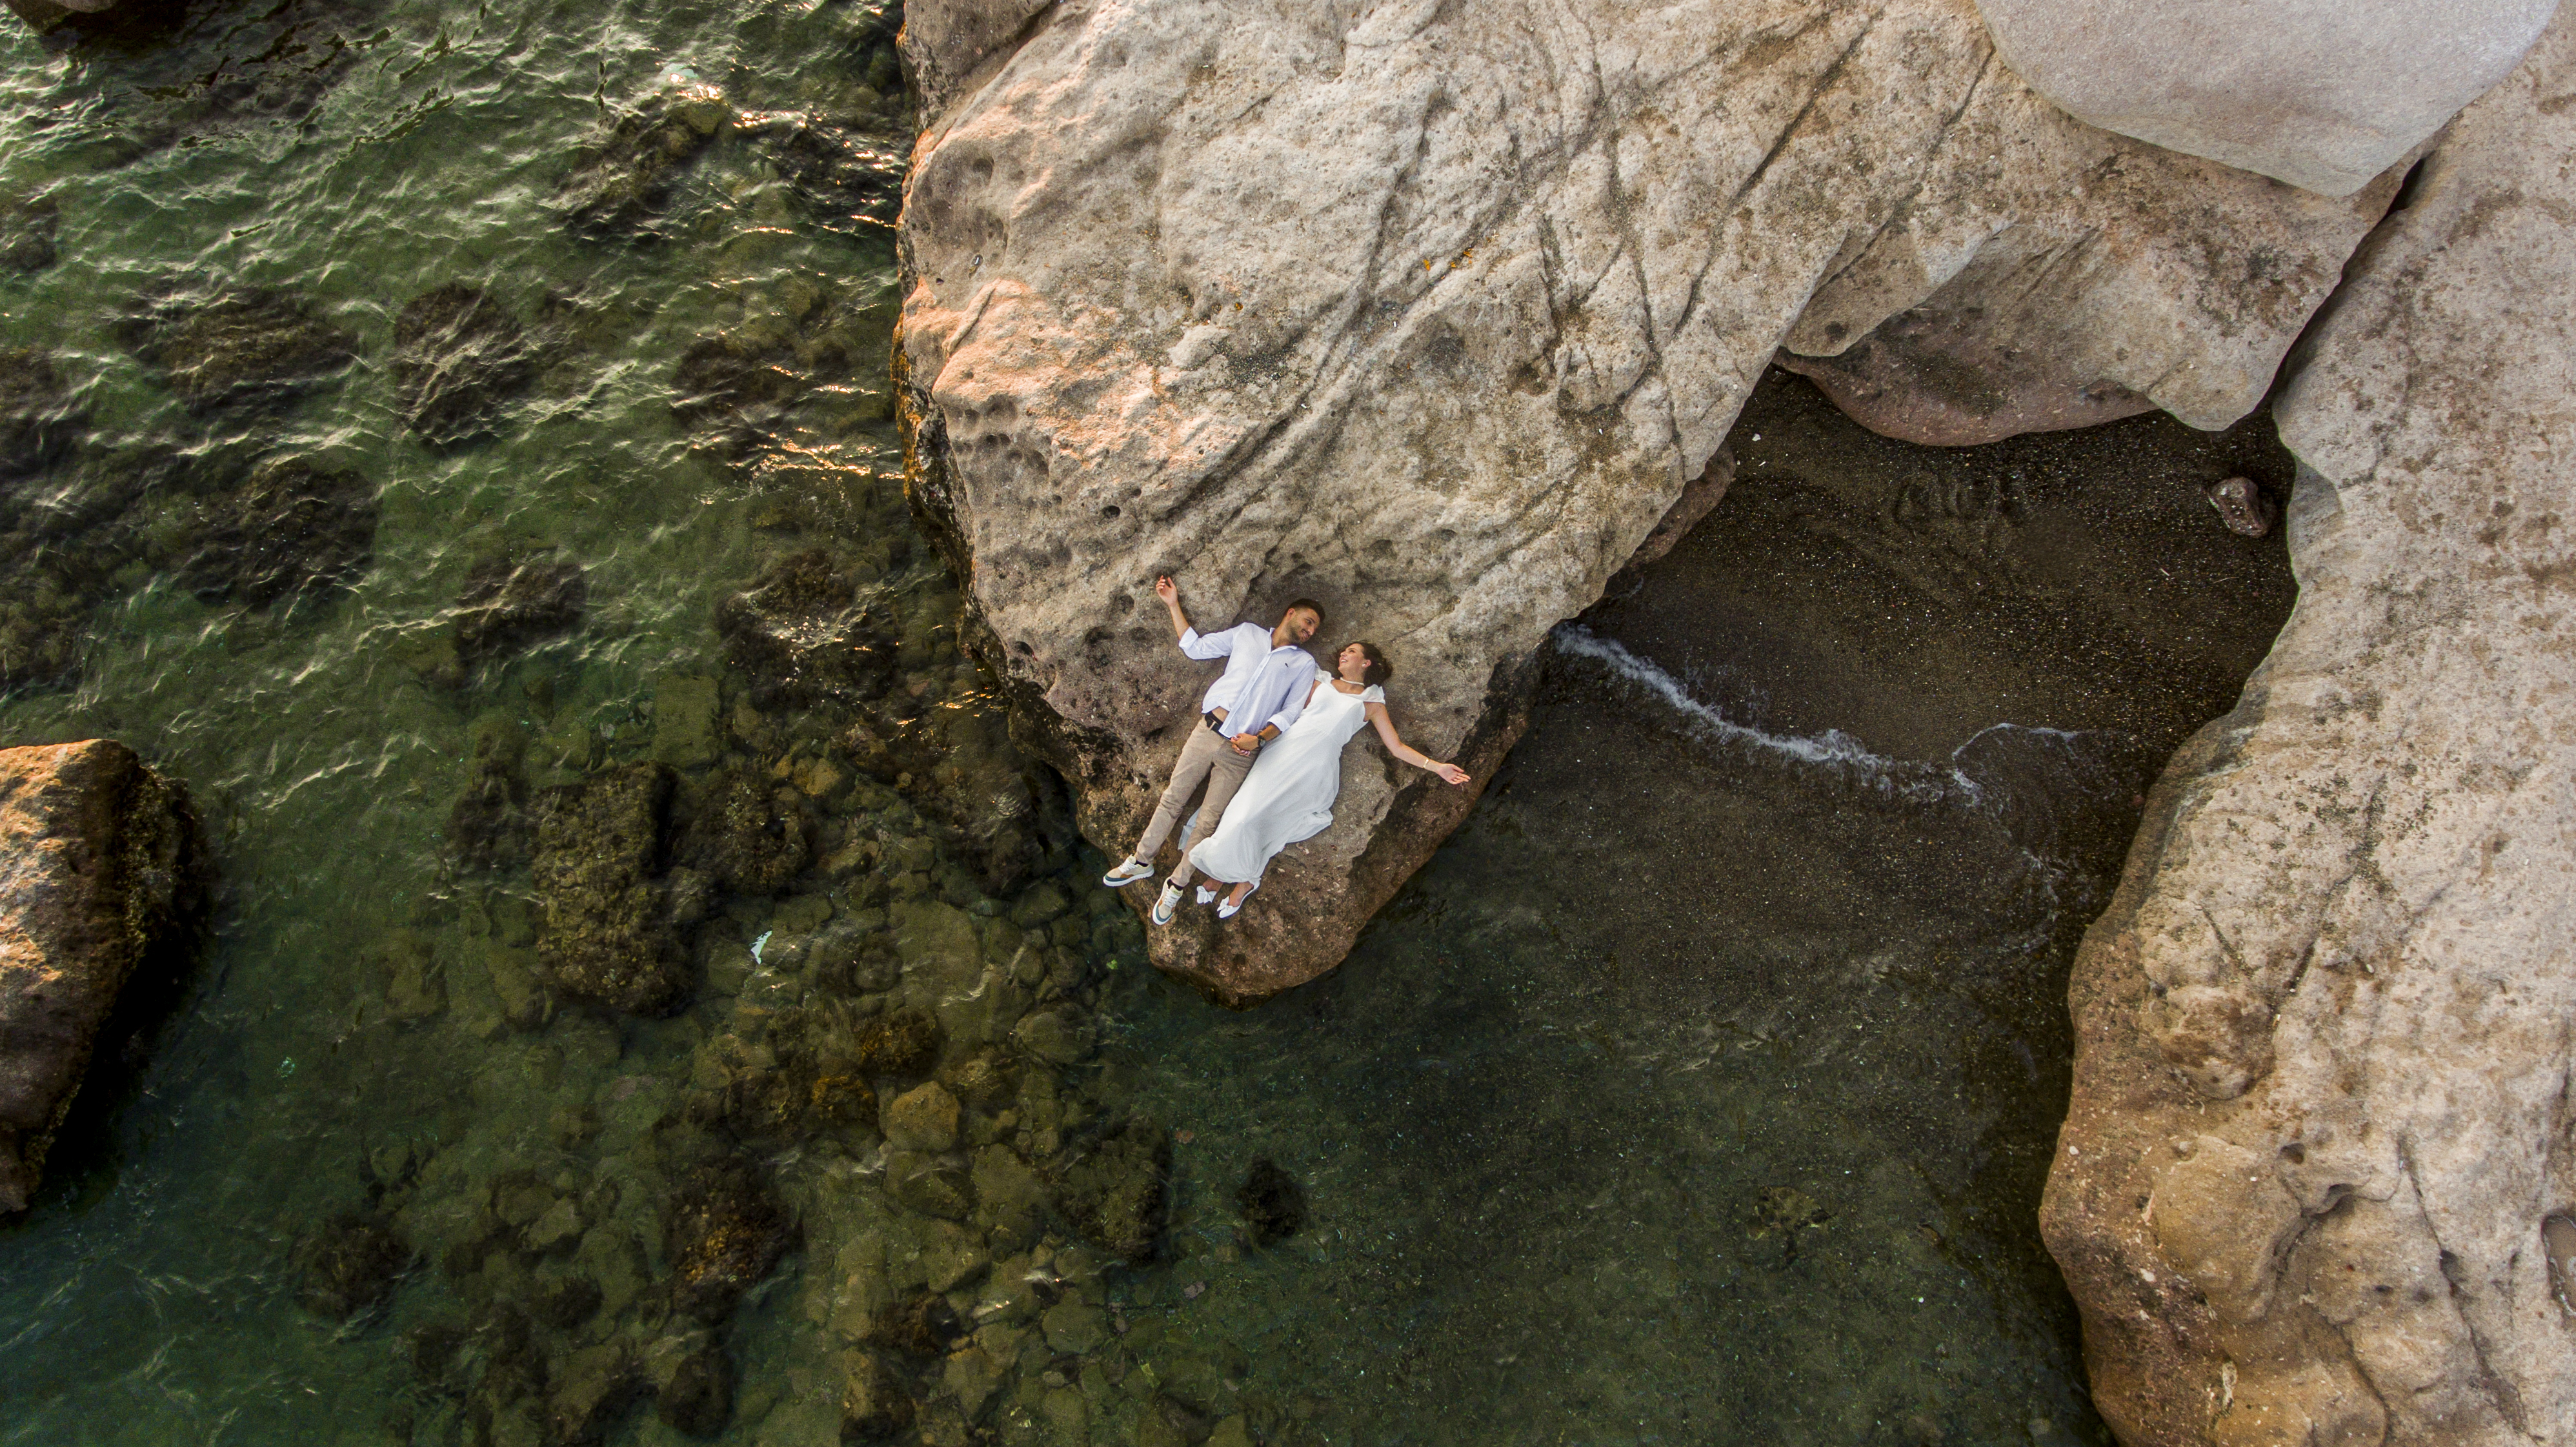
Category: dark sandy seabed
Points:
column 459, row 452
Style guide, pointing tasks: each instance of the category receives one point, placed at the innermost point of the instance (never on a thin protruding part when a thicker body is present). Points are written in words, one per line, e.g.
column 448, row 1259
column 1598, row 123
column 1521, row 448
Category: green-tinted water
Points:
column 1697, row 1093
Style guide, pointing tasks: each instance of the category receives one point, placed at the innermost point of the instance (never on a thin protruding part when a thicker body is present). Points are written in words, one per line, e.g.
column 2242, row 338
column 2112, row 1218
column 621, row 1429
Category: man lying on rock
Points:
column 1254, row 701
column 1287, row 791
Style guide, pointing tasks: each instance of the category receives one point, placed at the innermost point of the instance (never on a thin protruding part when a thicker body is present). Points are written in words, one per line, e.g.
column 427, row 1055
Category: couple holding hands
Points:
column 1268, row 746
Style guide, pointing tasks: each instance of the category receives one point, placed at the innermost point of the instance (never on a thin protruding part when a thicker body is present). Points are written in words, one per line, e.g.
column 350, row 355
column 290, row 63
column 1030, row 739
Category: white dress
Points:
column 1289, row 793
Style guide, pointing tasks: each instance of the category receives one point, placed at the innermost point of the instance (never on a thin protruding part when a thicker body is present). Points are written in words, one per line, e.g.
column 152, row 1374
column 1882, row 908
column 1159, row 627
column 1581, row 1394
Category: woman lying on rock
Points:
column 1289, row 793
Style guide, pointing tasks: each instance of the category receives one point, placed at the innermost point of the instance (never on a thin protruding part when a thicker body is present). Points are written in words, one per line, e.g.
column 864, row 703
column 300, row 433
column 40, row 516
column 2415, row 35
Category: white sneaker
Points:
column 1127, row 873
column 1168, row 904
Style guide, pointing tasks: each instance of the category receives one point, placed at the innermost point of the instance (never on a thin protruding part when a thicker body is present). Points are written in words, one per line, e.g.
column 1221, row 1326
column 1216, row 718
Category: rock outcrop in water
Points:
column 99, row 882
column 2320, row 1126
column 1432, row 313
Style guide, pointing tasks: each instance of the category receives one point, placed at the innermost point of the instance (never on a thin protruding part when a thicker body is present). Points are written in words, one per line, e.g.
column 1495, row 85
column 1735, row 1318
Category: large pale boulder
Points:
column 2321, row 1107
column 1431, row 310
column 2324, row 94
column 98, row 876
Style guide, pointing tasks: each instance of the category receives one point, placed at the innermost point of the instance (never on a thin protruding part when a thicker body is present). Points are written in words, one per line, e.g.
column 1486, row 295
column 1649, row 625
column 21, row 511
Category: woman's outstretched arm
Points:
column 1378, row 715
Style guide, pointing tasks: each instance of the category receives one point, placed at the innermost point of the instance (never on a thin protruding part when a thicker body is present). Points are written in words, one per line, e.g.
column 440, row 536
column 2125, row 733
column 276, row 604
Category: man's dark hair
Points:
column 1378, row 670
column 1310, row 605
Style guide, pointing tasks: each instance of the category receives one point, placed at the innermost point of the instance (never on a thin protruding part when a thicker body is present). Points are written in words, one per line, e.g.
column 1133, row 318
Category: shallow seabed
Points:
column 1698, row 1092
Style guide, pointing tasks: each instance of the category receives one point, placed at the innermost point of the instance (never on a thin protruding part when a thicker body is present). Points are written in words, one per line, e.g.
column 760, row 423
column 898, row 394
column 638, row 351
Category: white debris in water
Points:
column 756, row 944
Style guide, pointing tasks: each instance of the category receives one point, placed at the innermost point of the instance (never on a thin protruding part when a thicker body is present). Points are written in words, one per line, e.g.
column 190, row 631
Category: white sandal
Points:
column 1229, row 911
column 1206, row 895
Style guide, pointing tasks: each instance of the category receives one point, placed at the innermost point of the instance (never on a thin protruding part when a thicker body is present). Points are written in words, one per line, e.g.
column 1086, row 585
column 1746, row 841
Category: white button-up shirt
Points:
column 1260, row 685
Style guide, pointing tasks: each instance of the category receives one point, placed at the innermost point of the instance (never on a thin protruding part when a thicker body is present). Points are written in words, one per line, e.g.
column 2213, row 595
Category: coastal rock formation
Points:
column 2320, row 1125
column 2324, row 94
column 98, row 880
column 1432, row 313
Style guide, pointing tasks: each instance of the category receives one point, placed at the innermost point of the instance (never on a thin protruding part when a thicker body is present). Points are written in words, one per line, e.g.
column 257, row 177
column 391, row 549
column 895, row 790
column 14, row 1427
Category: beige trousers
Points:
column 1205, row 757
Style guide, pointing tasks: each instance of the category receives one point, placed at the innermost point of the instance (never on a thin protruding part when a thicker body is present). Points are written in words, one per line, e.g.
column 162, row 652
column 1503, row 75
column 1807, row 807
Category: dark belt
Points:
column 1216, row 726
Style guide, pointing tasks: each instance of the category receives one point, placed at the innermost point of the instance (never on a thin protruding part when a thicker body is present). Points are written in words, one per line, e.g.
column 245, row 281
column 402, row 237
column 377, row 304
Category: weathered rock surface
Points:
column 2324, row 94
column 98, row 879
column 2320, row 1107
column 1432, row 312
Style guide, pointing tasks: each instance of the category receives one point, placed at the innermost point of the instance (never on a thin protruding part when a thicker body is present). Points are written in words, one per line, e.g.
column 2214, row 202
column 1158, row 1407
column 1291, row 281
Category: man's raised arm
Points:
column 1193, row 642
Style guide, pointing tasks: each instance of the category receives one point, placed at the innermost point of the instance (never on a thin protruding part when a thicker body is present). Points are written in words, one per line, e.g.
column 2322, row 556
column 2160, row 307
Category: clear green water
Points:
column 1698, row 1092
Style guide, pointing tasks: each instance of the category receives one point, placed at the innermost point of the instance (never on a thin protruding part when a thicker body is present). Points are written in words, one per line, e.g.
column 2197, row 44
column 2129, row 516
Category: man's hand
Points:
column 1245, row 743
column 1170, row 593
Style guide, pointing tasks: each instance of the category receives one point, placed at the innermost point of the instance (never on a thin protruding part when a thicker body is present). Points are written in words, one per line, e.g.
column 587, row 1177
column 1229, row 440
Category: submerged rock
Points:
column 460, row 359
column 748, row 834
column 39, row 421
column 1119, row 1193
column 487, row 827
column 921, row 1325
column 590, row 1391
column 102, row 886
column 722, row 1232
column 2318, row 1124
column 900, row 1043
column 874, row 1404
column 606, row 937
column 511, row 601
column 621, row 182
column 1370, row 345
column 27, row 234
column 802, row 637
column 698, row 1399
column 237, row 348
column 292, row 531
column 847, row 179
column 350, row 1265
